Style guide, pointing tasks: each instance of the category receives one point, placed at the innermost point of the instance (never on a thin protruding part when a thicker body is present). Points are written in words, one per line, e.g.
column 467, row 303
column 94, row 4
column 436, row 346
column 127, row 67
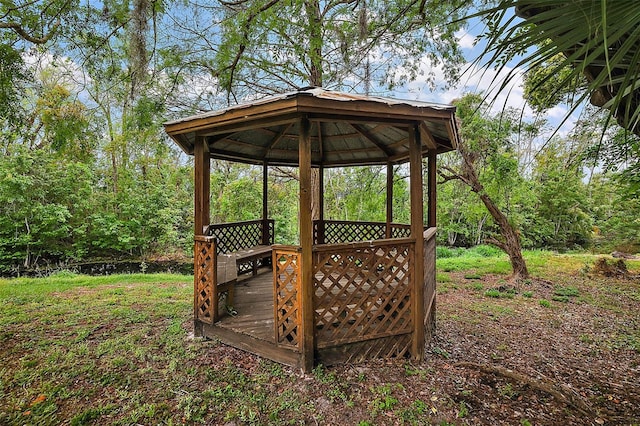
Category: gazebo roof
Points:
column 347, row 129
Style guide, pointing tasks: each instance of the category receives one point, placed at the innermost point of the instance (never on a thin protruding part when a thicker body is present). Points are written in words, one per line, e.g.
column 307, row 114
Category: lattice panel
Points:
column 386, row 347
column 336, row 232
column 348, row 232
column 430, row 285
column 239, row 235
column 204, row 292
column 287, row 289
column 362, row 293
column 400, row 231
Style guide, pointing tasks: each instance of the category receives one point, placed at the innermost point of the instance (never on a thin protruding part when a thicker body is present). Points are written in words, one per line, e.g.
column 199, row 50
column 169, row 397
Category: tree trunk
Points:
column 511, row 243
column 511, row 238
column 315, row 79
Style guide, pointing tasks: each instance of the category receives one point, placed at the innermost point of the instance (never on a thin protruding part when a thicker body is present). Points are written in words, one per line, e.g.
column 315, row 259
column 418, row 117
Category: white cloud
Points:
column 465, row 40
column 56, row 70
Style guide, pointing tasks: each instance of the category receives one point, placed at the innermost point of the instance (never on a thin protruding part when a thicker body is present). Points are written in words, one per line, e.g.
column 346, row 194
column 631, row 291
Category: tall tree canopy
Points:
column 268, row 46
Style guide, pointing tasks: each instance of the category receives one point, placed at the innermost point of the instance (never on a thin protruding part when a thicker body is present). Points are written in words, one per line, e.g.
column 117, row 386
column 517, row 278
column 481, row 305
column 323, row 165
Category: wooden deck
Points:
column 252, row 329
column 254, row 306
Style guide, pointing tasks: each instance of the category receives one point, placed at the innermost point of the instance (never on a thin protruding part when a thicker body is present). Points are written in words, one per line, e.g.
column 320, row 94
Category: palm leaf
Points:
column 600, row 40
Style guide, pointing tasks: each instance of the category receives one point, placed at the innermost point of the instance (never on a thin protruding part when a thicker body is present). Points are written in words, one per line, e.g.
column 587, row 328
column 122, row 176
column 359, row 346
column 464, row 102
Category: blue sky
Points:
column 477, row 79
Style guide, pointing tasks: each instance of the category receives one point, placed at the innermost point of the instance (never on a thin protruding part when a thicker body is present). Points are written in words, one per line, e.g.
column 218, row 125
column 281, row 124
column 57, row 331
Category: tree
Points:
column 563, row 218
column 487, row 146
column 36, row 22
column 335, row 44
column 332, row 44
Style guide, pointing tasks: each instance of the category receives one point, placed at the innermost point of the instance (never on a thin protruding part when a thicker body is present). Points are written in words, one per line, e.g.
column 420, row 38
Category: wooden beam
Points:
column 389, row 200
column 265, row 204
column 278, row 137
column 431, row 189
column 212, row 140
column 306, row 244
column 371, row 138
column 320, row 142
column 417, row 229
column 427, row 137
column 202, row 182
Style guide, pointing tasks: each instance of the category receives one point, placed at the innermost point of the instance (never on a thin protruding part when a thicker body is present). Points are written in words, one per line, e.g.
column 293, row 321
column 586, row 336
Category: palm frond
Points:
column 600, row 40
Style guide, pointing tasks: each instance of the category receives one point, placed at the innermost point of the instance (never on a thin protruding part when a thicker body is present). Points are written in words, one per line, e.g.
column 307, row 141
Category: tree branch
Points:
column 18, row 29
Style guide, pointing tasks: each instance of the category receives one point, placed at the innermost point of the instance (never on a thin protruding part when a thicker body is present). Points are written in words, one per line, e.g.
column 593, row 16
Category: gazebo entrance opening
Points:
column 348, row 291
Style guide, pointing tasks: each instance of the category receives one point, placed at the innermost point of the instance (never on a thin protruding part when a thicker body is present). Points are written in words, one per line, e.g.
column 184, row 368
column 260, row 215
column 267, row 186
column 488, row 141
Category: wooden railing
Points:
column 340, row 231
column 429, row 237
column 236, row 236
column 363, row 292
column 287, row 281
column 205, row 306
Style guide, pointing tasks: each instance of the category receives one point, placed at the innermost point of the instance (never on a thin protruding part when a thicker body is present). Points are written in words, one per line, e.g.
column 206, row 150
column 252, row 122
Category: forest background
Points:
column 87, row 172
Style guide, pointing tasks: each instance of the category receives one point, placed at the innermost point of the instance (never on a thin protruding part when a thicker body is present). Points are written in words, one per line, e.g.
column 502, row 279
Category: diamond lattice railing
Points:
column 236, row 236
column 362, row 292
column 287, row 285
column 337, row 232
column 204, row 309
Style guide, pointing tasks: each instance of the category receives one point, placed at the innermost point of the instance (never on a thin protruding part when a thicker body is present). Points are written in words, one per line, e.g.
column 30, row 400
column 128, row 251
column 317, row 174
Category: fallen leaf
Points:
column 40, row 399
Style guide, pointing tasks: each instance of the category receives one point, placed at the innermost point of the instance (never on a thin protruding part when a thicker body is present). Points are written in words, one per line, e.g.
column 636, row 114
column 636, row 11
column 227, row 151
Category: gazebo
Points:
column 349, row 291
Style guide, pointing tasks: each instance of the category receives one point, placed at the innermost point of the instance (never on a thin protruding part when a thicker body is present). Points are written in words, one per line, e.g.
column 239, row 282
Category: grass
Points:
column 116, row 350
column 78, row 349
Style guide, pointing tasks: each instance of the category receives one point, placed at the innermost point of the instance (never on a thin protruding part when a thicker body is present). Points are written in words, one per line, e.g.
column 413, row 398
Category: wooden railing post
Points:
column 417, row 229
column 306, row 244
column 203, row 269
column 430, row 281
column 205, row 297
column 389, row 200
column 265, row 209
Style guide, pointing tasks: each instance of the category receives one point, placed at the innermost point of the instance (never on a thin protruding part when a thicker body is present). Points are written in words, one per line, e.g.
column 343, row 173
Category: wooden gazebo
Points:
column 350, row 290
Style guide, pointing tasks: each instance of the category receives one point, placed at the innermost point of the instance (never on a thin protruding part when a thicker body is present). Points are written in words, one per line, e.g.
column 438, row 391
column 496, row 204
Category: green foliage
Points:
column 87, row 172
column 331, row 43
column 562, row 219
column 13, row 77
column 584, row 36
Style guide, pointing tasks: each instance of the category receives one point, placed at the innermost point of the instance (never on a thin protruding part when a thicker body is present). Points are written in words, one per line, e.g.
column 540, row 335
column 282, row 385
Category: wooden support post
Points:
column 417, row 227
column 321, row 205
column 389, row 200
column 431, row 188
column 306, row 244
column 265, row 205
column 430, row 321
column 202, row 182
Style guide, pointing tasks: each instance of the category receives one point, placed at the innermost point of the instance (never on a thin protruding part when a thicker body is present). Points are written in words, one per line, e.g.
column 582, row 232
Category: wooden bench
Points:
column 253, row 255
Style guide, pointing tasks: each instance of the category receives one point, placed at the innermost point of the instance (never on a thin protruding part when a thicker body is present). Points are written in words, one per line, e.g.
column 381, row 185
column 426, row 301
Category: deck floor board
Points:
column 253, row 302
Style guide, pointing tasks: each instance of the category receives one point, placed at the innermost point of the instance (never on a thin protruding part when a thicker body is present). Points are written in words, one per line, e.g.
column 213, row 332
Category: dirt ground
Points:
column 563, row 350
column 522, row 359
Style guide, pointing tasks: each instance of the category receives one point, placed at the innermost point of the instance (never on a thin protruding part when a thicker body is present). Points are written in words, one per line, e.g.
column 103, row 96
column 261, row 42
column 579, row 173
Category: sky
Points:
column 478, row 79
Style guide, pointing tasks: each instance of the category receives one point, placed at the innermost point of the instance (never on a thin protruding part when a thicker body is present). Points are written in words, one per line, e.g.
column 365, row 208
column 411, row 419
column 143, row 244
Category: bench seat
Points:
column 227, row 269
column 252, row 255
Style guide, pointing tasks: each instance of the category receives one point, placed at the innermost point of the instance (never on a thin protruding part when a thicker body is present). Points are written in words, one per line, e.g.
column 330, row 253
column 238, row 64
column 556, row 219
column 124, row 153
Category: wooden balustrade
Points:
column 236, row 236
column 363, row 294
column 429, row 237
column 205, row 304
column 341, row 231
column 287, row 282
